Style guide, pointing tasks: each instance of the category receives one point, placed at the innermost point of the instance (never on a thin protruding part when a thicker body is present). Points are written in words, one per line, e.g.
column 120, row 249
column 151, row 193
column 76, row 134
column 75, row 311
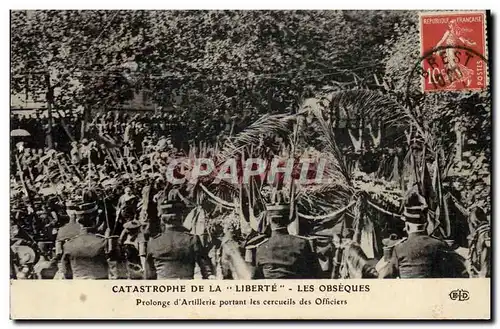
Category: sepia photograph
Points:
column 250, row 145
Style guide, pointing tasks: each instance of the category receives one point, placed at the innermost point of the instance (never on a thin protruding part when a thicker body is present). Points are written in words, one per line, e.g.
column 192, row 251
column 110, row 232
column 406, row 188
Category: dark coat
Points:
column 85, row 257
column 422, row 256
column 68, row 231
column 285, row 256
column 174, row 254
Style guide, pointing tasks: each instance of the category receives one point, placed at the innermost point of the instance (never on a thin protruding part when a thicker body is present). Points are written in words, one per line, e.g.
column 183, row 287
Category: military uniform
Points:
column 133, row 242
column 68, row 231
column 64, row 234
column 174, row 253
column 85, row 255
column 420, row 255
column 284, row 256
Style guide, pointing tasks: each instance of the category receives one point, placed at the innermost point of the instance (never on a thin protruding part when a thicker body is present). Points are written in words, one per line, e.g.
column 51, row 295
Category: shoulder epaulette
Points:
column 311, row 237
column 254, row 246
column 304, row 237
column 401, row 241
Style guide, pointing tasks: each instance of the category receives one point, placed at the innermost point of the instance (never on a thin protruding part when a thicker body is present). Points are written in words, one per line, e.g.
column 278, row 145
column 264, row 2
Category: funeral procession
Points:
column 244, row 145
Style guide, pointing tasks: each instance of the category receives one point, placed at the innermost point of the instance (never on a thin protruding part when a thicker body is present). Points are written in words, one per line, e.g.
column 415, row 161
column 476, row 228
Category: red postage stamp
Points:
column 453, row 48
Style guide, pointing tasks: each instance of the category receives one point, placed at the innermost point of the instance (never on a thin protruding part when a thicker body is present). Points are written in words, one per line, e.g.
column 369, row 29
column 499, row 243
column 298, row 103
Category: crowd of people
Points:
column 120, row 167
column 128, row 128
column 100, row 208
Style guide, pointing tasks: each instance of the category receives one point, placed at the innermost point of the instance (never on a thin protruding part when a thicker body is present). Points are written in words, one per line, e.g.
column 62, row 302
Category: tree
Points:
column 443, row 115
column 74, row 54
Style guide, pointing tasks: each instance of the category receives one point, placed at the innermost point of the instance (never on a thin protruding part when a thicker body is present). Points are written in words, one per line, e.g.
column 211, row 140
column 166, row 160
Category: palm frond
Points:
column 331, row 147
column 324, row 198
column 367, row 105
column 266, row 126
column 370, row 105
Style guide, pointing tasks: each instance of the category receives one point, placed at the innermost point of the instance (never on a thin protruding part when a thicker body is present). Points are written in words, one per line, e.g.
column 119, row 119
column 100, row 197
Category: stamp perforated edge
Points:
column 485, row 43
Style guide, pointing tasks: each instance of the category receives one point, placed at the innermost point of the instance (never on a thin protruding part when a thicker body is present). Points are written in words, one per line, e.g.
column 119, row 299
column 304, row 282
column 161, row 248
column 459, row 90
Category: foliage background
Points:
column 209, row 66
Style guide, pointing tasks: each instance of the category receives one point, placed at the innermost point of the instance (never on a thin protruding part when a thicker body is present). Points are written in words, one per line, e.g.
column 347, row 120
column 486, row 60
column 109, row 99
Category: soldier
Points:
column 174, row 253
column 232, row 264
column 84, row 148
column 284, row 256
column 126, row 200
column 46, row 267
column 75, row 153
column 66, row 233
column 22, row 256
column 420, row 255
column 479, row 251
column 85, row 255
column 132, row 242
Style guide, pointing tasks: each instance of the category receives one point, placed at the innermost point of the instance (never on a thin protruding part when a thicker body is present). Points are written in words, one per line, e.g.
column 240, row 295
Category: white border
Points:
column 198, row 4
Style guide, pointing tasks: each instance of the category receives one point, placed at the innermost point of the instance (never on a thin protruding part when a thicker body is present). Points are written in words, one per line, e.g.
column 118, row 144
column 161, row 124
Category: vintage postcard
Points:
column 250, row 164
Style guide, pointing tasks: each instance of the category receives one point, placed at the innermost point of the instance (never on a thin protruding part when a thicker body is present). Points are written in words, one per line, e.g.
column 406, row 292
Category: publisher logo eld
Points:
column 460, row 295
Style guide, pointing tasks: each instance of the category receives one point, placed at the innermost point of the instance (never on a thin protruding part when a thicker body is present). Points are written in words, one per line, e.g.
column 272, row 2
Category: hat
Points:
column 129, row 198
column 391, row 240
column 87, row 208
column 277, row 210
column 110, row 182
column 173, row 204
column 141, row 178
column 132, row 225
column 87, row 213
column 103, row 178
column 71, row 206
column 415, row 208
column 26, row 254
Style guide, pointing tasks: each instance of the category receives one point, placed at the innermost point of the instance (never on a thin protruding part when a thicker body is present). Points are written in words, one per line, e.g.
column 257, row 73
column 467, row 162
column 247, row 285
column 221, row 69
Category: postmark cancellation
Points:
column 454, row 51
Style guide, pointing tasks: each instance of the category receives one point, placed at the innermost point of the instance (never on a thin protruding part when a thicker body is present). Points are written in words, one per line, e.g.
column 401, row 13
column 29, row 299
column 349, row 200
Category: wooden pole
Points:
column 89, row 170
column 337, row 259
column 293, row 227
column 50, row 99
column 21, row 176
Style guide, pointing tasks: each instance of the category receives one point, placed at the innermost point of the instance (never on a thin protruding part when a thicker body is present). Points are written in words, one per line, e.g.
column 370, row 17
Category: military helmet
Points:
column 87, row 213
column 71, row 206
column 278, row 209
column 172, row 204
column 415, row 208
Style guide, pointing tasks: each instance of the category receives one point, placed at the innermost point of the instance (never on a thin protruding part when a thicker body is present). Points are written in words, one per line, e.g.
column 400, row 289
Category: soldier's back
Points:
column 421, row 256
column 174, row 254
column 68, row 231
column 86, row 254
column 285, row 256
